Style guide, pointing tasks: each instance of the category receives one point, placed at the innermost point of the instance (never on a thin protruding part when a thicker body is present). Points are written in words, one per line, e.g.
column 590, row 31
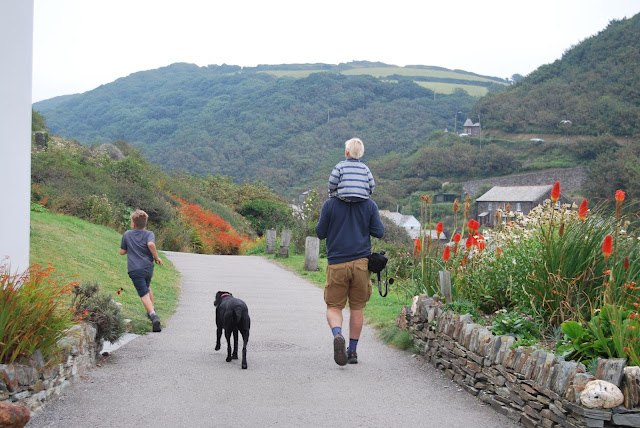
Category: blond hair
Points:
column 355, row 147
column 139, row 219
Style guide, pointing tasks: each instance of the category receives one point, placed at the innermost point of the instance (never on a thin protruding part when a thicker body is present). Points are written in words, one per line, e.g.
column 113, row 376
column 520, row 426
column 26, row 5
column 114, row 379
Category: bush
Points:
column 99, row 309
column 32, row 313
column 266, row 214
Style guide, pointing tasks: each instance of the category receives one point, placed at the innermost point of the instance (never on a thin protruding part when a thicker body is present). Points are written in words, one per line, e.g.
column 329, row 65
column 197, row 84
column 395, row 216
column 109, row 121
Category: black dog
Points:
column 232, row 315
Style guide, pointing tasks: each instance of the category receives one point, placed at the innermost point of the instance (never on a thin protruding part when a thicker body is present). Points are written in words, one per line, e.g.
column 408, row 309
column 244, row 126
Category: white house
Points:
column 409, row 222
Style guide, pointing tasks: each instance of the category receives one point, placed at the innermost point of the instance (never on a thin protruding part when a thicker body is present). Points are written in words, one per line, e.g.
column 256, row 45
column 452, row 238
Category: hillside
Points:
column 260, row 123
column 595, row 85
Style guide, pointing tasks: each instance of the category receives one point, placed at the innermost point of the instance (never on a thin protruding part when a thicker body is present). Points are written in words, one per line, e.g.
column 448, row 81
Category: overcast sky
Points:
column 81, row 44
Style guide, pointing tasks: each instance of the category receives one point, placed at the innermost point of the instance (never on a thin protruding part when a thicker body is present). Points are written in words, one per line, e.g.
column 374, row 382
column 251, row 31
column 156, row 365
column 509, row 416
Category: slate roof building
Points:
column 520, row 198
column 409, row 222
column 470, row 128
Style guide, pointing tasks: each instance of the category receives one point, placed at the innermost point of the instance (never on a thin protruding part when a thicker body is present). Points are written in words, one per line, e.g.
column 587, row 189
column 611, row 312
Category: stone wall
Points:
column 529, row 385
column 31, row 383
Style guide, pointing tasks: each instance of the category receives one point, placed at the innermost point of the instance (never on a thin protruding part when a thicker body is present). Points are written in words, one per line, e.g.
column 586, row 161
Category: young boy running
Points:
column 140, row 247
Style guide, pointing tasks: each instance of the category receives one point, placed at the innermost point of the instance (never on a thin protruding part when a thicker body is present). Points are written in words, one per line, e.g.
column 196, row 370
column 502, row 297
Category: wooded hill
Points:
column 262, row 123
column 595, row 85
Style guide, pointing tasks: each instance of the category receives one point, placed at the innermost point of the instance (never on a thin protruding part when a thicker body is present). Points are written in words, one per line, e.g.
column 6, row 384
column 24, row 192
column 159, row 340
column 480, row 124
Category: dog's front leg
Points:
column 235, row 345
column 227, row 335
column 218, row 336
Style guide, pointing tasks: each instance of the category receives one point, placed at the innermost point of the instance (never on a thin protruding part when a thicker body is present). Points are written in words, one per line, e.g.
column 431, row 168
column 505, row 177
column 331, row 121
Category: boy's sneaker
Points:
column 339, row 350
column 155, row 322
column 352, row 357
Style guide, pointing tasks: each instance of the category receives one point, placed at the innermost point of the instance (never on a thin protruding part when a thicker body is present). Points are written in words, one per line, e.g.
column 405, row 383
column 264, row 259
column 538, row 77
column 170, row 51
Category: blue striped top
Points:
column 352, row 180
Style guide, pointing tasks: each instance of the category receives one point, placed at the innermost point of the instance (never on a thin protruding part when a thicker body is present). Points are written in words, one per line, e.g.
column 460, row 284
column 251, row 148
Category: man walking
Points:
column 347, row 227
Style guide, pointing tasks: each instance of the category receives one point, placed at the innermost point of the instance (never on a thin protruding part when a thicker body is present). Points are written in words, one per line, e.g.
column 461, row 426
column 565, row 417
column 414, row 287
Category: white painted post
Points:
column 445, row 285
column 271, row 241
column 311, row 253
column 285, row 240
column 16, row 51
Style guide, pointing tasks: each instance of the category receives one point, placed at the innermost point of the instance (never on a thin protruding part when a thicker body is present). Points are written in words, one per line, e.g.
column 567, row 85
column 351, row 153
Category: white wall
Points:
column 16, row 47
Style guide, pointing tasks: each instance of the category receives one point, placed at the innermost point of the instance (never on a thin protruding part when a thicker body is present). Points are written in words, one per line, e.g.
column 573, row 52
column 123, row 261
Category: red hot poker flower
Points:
column 456, row 238
column 619, row 196
column 446, row 254
column 473, row 225
column 439, row 229
column 555, row 192
column 417, row 246
column 582, row 211
column 625, row 265
column 607, row 246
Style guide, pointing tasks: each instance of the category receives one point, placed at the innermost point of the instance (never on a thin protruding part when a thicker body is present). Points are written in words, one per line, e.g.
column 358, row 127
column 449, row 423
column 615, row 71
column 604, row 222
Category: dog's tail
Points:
column 237, row 314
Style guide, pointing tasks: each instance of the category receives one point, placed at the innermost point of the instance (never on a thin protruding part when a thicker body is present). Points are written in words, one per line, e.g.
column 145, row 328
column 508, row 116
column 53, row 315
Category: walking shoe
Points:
column 352, row 357
column 339, row 350
column 155, row 322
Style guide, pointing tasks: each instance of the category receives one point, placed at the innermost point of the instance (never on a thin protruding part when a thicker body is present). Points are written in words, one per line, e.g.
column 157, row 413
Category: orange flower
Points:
column 607, row 246
column 456, row 238
column 446, row 254
column 473, row 225
column 417, row 246
column 561, row 231
column 439, row 229
column 619, row 196
column 625, row 265
column 555, row 192
column 582, row 211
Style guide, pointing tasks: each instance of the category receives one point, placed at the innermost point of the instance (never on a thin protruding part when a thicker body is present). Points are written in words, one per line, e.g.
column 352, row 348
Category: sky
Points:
column 79, row 45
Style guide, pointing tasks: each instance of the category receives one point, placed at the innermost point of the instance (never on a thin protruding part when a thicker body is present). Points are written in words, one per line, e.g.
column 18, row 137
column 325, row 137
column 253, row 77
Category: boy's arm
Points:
column 334, row 179
column 152, row 248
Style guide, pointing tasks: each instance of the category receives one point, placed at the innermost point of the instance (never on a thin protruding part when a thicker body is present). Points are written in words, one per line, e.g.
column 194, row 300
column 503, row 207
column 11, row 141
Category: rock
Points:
column 611, row 370
column 13, row 415
column 599, row 393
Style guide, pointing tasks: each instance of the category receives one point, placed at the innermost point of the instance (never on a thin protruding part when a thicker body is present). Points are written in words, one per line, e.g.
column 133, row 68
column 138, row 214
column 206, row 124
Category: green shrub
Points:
column 519, row 325
column 462, row 307
column 99, row 309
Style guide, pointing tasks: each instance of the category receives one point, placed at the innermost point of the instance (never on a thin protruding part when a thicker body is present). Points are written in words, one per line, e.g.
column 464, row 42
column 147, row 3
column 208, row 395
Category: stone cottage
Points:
column 520, row 199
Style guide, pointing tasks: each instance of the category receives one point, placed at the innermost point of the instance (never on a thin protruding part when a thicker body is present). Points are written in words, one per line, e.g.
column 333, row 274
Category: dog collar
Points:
column 225, row 294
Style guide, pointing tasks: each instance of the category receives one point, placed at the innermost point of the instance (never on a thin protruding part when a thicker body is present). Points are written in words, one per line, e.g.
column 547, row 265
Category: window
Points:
column 490, row 206
column 518, row 207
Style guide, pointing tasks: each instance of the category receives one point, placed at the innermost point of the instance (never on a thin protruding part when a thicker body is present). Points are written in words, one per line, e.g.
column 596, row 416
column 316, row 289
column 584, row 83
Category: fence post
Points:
column 271, row 241
column 445, row 285
column 283, row 251
column 311, row 253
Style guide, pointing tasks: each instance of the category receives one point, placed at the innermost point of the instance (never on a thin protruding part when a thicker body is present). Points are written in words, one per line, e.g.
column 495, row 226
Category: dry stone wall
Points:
column 529, row 385
column 31, row 383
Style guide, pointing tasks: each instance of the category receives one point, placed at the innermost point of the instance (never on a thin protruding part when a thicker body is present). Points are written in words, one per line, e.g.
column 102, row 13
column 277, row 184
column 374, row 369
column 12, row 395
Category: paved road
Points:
column 176, row 379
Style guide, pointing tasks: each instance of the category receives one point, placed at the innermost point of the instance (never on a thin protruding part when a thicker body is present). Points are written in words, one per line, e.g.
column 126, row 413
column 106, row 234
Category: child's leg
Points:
column 147, row 303
column 151, row 296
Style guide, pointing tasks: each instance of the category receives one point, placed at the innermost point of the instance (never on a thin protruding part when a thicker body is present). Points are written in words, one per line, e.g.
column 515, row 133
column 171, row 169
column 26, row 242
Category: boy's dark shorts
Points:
column 350, row 280
column 142, row 280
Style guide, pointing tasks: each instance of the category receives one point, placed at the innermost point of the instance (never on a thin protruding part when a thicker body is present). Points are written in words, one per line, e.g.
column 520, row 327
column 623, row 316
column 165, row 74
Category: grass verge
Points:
column 91, row 253
column 380, row 313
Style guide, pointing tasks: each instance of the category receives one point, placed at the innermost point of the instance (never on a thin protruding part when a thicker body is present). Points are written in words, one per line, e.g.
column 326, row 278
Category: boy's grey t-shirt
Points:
column 135, row 241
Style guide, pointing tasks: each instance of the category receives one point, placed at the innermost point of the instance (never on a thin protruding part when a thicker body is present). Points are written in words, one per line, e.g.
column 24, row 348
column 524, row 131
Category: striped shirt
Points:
column 351, row 180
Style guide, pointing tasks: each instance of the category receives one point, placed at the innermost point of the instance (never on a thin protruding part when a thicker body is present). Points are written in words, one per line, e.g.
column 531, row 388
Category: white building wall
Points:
column 16, row 47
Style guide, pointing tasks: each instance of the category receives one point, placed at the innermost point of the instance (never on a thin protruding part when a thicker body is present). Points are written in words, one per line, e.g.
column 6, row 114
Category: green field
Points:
column 448, row 88
column 421, row 72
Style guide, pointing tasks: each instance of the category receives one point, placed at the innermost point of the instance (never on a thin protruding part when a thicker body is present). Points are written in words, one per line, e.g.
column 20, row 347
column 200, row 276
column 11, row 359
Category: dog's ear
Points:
column 217, row 300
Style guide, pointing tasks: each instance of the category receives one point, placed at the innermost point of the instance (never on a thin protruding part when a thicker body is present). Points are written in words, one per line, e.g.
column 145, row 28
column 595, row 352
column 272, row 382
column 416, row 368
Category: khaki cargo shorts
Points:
column 349, row 280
